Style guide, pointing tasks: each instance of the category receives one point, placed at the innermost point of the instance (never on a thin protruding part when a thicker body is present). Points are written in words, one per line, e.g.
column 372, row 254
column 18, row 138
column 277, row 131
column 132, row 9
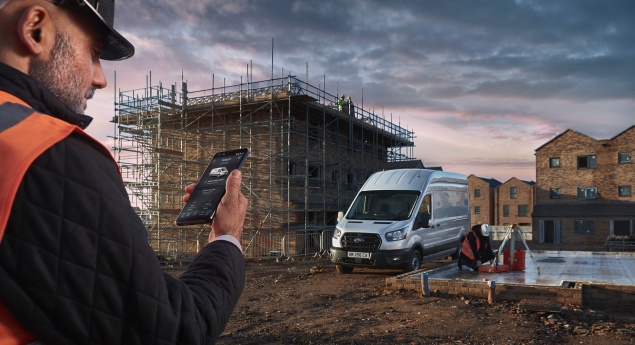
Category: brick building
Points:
column 514, row 202
column 482, row 198
column 583, row 188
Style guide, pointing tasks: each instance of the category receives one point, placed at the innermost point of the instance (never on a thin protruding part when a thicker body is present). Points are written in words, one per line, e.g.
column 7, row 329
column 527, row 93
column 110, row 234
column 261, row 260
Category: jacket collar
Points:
column 38, row 97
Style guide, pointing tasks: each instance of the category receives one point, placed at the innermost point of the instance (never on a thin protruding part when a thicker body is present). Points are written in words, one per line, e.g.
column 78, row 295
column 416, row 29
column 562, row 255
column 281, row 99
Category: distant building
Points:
column 482, row 199
column 514, row 202
column 584, row 188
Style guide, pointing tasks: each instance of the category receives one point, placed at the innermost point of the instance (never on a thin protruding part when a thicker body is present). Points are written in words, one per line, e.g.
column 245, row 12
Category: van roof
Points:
column 409, row 179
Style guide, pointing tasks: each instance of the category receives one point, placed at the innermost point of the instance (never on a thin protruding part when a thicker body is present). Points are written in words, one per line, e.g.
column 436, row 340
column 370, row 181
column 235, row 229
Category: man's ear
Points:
column 36, row 30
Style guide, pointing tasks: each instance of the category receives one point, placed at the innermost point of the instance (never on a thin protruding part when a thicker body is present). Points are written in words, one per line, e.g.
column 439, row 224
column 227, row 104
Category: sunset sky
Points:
column 482, row 83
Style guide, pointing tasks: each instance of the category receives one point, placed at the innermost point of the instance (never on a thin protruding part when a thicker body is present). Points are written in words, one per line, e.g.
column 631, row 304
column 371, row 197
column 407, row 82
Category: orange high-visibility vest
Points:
column 24, row 136
column 466, row 249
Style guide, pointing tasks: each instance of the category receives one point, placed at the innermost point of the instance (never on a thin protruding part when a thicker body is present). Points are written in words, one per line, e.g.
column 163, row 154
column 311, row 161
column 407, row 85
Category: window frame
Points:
column 552, row 160
column 554, row 193
column 513, row 192
column 591, row 161
column 620, row 160
column 477, row 209
column 588, row 190
column 583, row 227
column 477, row 192
column 624, row 187
column 505, row 210
column 526, row 210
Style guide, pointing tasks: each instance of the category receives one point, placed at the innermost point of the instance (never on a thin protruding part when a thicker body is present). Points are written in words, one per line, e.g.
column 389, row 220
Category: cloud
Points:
column 477, row 78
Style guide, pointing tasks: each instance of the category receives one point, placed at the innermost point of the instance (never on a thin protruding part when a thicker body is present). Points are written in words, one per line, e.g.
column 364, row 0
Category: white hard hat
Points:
column 486, row 229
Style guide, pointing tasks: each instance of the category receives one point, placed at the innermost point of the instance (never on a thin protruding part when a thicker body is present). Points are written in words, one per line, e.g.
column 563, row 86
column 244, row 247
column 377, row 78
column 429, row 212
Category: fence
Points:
column 288, row 245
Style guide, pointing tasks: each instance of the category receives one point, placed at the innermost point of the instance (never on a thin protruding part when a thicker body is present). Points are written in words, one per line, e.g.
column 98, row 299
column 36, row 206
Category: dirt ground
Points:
column 305, row 301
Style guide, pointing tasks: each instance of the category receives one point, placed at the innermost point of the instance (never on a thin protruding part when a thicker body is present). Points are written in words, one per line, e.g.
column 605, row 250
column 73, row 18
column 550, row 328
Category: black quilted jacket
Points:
column 75, row 265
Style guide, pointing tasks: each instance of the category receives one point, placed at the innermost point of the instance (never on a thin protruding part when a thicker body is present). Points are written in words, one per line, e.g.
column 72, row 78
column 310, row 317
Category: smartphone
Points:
column 200, row 208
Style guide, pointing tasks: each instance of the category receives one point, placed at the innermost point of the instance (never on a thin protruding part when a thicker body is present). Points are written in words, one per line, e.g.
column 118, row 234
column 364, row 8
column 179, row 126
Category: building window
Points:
column 587, row 162
column 624, row 157
column 292, row 169
column 554, row 162
column 477, row 209
column 523, row 210
column 624, row 191
column 314, row 171
column 585, row 227
column 477, row 193
column 335, row 176
column 350, row 178
column 587, row 193
column 513, row 192
column 505, row 210
column 621, row 227
column 554, row 193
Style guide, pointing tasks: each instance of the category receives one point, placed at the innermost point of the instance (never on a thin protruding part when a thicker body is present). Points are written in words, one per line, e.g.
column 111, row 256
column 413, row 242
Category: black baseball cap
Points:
column 117, row 48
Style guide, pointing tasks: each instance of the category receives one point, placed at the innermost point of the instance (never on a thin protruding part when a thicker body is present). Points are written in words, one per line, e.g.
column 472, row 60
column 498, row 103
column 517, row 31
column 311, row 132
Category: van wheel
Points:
column 341, row 269
column 414, row 263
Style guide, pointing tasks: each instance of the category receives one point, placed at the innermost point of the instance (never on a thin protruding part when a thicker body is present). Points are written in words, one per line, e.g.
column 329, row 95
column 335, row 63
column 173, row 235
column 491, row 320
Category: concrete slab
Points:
column 555, row 268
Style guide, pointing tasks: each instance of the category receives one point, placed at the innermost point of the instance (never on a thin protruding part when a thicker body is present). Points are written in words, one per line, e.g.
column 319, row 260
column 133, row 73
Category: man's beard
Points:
column 60, row 76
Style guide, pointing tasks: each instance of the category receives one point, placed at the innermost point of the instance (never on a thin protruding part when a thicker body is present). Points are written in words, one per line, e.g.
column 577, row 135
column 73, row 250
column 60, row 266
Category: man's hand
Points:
column 230, row 214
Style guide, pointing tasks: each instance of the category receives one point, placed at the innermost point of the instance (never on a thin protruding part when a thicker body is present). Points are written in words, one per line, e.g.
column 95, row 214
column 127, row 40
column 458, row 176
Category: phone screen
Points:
column 200, row 208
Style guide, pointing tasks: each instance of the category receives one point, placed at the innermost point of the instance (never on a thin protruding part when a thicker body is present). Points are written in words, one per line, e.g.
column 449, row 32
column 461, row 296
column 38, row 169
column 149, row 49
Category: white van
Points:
column 218, row 172
column 401, row 218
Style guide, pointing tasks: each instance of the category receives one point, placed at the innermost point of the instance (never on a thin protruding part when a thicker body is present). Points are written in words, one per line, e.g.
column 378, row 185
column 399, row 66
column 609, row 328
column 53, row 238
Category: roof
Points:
column 624, row 131
column 531, row 183
column 491, row 181
column 585, row 210
column 561, row 134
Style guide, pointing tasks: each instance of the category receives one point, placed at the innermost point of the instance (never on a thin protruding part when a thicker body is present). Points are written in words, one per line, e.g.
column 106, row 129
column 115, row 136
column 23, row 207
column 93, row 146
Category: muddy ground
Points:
column 305, row 301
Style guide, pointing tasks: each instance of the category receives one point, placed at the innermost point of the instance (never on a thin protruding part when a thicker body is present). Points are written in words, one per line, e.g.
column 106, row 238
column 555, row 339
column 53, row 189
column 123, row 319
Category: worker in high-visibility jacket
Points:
column 75, row 263
column 476, row 248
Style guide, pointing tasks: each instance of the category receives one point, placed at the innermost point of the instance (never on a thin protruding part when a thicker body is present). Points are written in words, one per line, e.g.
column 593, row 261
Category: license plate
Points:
column 359, row 255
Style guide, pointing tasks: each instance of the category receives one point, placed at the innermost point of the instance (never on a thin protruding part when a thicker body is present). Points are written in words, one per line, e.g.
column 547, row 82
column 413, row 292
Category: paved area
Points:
column 556, row 268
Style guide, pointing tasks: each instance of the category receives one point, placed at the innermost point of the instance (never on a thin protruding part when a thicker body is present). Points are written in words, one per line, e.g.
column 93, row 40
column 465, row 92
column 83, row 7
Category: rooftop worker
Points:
column 476, row 248
column 340, row 103
column 75, row 264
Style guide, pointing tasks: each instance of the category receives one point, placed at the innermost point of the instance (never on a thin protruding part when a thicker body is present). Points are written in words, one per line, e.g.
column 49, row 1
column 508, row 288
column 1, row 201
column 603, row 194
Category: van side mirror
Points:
column 422, row 221
column 340, row 216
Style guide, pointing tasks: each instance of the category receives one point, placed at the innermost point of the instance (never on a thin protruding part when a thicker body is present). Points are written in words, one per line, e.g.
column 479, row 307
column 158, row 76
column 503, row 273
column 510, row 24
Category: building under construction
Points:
column 310, row 154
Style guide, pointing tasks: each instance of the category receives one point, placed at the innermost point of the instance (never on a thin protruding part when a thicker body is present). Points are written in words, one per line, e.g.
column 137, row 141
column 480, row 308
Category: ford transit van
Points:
column 401, row 218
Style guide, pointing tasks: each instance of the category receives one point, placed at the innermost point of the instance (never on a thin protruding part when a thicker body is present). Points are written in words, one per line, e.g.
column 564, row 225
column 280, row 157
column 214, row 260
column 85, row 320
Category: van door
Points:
column 449, row 216
column 423, row 227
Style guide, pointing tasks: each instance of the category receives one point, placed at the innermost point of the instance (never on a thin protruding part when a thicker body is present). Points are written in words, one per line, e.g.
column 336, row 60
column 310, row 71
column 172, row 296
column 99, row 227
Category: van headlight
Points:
column 396, row 235
column 337, row 233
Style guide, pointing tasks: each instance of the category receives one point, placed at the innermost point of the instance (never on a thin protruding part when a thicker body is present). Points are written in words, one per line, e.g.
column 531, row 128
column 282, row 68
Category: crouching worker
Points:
column 476, row 248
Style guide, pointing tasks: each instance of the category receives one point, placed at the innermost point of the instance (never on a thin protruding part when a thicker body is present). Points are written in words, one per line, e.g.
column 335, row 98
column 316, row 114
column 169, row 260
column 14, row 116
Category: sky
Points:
column 482, row 84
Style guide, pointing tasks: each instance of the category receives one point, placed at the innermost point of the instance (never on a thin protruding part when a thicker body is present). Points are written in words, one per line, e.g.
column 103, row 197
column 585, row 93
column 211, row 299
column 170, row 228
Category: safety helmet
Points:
column 118, row 48
column 486, row 229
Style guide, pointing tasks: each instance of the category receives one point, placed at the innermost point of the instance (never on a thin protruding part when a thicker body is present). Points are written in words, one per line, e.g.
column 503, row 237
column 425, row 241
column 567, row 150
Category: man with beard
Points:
column 75, row 265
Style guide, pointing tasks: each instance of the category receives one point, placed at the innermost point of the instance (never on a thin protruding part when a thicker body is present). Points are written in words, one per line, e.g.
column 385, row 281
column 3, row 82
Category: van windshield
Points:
column 384, row 205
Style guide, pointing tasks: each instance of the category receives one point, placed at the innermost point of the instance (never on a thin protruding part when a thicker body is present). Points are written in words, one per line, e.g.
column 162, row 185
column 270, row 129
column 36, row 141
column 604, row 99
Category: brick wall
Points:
column 524, row 196
column 581, row 294
column 606, row 177
column 485, row 201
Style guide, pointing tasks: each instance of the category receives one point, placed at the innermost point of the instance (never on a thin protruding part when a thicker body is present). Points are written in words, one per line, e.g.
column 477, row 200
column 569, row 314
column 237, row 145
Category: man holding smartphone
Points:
column 75, row 265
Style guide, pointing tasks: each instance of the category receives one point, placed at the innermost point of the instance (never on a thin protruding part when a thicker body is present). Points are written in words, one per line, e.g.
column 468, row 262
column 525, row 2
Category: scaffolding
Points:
column 308, row 156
